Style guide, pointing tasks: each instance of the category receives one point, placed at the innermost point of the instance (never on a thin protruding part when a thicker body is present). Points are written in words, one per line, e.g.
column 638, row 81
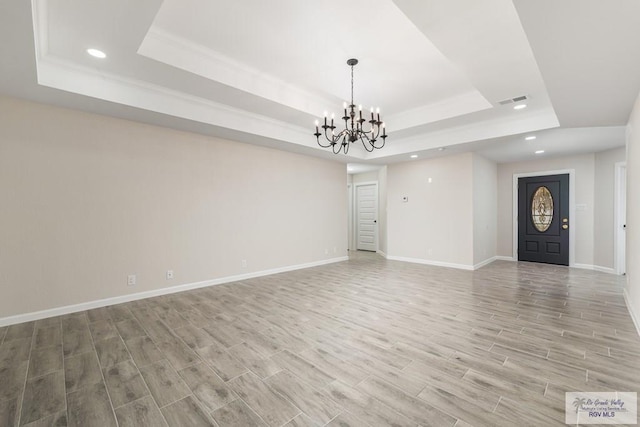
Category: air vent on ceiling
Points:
column 512, row 100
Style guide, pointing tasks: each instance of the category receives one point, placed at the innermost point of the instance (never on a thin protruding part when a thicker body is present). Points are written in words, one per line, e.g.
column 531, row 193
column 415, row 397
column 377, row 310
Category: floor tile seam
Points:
column 141, row 377
column 104, row 382
column 253, row 410
column 208, row 414
column 26, row 380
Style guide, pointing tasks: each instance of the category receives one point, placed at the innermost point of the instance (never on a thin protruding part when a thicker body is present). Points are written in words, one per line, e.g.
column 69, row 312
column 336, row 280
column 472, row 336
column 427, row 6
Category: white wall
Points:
column 583, row 223
column 87, row 200
column 359, row 178
column 485, row 209
column 604, row 207
column 436, row 224
column 632, row 289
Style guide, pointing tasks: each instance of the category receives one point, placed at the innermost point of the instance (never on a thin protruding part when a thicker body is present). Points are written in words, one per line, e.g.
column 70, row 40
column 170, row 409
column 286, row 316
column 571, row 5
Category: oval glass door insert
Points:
column 542, row 209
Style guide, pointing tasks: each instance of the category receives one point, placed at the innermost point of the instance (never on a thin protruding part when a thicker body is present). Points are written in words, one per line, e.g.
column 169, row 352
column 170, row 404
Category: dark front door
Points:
column 543, row 219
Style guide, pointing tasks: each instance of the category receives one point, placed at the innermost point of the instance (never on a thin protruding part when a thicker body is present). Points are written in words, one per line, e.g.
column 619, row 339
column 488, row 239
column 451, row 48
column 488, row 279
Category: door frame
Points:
column 619, row 249
column 355, row 213
column 572, row 209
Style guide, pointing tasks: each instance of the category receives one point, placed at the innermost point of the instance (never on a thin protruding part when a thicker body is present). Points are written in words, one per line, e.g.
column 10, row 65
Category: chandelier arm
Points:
column 375, row 131
column 338, row 146
column 366, row 143
column 372, row 129
column 343, row 134
column 332, row 137
column 336, row 150
column 324, row 146
column 364, row 137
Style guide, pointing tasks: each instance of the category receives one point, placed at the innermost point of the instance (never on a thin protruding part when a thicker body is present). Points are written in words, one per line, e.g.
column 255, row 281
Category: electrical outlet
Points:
column 169, row 274
column 131, row 280
column 244, row 263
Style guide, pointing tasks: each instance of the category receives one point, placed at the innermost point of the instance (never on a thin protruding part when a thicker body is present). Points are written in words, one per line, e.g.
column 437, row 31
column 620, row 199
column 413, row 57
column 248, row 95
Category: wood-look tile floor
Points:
column 362, row 342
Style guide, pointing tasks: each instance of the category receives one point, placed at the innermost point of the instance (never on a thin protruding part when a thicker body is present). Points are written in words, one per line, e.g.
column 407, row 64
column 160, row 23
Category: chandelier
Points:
column 355, row 128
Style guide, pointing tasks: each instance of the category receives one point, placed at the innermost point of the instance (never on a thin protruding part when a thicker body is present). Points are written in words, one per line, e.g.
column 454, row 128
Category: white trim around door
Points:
column 355, row 212
column 572, row 209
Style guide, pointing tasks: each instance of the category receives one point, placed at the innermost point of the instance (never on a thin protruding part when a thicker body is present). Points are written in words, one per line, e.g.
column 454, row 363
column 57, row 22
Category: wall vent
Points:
column 512, row 100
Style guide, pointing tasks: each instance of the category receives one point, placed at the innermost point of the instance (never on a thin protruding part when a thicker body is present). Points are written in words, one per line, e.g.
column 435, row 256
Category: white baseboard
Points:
column 582, row 266
column 632, row 313
column 444, row 264
column 595, row 268
column 485, row 262
column 381, row 253
column 604, row 269
column 58, row 311
column 430, row 262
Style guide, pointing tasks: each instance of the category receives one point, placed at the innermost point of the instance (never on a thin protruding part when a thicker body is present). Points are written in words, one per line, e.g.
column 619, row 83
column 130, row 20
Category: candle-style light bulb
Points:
column 344, row 105
column 360, row 107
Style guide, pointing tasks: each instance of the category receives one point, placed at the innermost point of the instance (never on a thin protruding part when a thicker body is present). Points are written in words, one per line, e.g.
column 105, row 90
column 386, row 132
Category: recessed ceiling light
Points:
column 539, row 151
column 96, row 53
column 530, row 138
column 414, row 156
column 520, row 106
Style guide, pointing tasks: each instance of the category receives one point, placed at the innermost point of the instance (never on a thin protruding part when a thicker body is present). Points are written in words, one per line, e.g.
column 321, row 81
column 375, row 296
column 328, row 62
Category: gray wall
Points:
column 436, row 224
column 632, row 289
column 485, row 209
column 88, row 200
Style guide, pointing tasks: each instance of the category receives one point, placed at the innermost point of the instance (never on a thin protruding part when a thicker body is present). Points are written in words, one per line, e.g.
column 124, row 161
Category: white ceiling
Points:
column 262, row 72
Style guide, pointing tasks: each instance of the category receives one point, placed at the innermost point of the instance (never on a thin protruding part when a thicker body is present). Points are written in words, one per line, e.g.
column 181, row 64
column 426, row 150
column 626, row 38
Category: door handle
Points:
column 375, row 221
column 565, row 226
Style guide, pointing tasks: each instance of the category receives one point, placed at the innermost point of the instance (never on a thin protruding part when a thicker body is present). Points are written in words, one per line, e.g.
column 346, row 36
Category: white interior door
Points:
column 367, row 217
